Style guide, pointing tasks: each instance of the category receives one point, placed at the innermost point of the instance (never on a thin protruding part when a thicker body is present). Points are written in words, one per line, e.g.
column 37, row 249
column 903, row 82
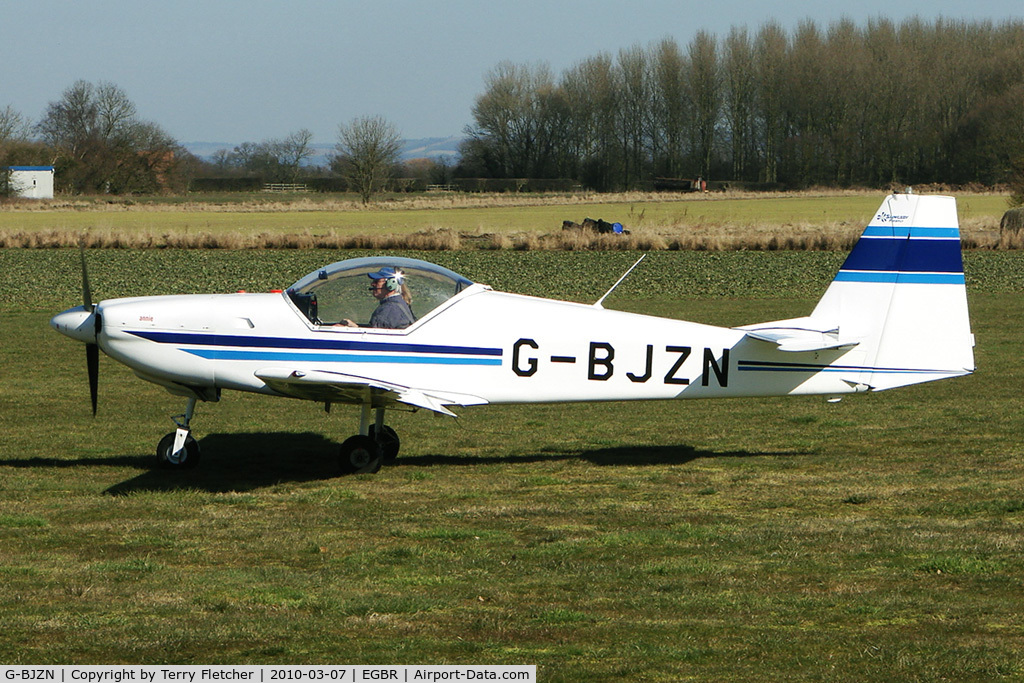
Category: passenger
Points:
column 394, row 311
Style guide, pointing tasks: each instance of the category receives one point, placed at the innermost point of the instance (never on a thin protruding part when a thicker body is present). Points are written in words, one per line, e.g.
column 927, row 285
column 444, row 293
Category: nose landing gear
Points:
column 179, row 450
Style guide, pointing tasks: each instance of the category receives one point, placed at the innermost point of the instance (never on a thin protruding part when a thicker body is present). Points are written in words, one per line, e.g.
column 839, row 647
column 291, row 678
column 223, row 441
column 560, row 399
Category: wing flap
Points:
column 323, row 385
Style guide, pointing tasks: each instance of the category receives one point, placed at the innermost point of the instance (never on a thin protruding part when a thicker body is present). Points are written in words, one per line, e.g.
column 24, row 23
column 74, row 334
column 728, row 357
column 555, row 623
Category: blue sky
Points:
column 233, row 71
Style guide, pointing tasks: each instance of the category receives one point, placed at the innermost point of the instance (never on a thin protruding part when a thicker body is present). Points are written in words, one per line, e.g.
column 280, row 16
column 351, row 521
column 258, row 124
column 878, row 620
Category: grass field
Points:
column 878, row 539
column 713, row 219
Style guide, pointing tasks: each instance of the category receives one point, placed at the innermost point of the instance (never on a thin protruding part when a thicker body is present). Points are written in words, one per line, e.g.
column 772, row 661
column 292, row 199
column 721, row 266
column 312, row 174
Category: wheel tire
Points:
column 387, row 441
column 360, row 455
column 187, row 459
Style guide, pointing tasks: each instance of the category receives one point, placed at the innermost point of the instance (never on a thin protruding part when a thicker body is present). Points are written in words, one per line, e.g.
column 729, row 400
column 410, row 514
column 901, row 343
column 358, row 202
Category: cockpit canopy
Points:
column 342, row 290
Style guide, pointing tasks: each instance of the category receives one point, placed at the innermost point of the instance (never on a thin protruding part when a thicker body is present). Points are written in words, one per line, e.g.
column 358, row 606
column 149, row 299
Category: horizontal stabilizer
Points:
column 798, row 334
column 322, row 385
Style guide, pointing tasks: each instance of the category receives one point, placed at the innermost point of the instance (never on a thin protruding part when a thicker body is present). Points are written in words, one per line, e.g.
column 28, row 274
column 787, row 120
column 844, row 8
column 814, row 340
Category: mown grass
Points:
column 876, row 539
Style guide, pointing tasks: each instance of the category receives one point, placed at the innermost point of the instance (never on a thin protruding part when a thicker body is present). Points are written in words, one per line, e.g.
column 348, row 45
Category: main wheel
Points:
column 185, row 459
column 387, row 441
column 359, row 455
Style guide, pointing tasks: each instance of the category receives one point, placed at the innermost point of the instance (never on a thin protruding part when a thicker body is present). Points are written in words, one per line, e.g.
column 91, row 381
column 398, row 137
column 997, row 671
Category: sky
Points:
column 231, row 71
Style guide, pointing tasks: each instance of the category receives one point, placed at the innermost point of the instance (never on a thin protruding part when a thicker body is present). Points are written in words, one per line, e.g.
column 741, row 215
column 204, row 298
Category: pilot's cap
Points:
column 386, row 274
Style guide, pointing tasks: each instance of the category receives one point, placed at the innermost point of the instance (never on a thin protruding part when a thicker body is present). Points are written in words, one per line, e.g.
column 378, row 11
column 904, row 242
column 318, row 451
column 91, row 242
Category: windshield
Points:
column 341, row 290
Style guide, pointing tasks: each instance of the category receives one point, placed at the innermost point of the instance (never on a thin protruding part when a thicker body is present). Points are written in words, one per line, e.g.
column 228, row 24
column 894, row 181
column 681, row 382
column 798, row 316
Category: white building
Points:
column 32, row 182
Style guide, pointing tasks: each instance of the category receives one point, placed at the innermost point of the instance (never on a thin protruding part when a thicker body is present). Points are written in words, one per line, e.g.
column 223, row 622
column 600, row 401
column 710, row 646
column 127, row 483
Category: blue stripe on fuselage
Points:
column 230, row 354
column 216, row 340
column 776, row 366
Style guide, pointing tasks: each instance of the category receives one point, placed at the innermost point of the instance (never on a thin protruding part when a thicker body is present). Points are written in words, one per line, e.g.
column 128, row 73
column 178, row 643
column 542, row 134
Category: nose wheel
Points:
column 179, row 450
column 172, row 457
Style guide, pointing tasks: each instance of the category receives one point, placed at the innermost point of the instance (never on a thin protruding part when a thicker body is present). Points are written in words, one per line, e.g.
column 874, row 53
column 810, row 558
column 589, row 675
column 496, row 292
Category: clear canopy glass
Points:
column 342, row 290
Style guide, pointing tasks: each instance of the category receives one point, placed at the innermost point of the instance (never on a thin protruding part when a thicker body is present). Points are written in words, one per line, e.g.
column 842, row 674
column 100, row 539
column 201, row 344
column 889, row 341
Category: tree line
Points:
column 848, row 104
column 93, row 137
column 884, row 102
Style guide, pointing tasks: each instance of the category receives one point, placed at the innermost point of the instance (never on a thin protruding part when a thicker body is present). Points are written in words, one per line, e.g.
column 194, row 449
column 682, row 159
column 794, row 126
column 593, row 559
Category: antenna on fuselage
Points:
column 598, row 303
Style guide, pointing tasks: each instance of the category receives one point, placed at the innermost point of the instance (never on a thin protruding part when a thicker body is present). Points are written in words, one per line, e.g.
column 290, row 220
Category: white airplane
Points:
column 896, row 314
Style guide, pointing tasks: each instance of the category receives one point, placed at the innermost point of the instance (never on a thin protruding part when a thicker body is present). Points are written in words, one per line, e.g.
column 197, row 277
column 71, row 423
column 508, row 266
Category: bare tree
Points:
column 740, row 95
column 87, row 115
column 808, row 105
column 293, row 150
column 705, row 92
column 100, row 143
column 367, row 151
column 771, row 48
column 274, row 160
column 222, row 160
column 149, row 159
column 245, row 156
column 13, row 130
column 671, row 108
column 844, row 77
column 518, row 119
column 591, row 88
column 893, row 108
column 13, row 126
column 634, row 113
column 116, row 114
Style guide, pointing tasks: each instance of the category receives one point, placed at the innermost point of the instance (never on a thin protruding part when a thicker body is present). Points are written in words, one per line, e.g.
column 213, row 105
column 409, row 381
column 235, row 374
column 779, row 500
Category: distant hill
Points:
column 430, row 148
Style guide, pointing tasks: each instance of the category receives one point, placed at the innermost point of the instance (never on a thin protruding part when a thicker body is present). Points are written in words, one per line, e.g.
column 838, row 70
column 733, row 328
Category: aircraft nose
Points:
column 78, row 323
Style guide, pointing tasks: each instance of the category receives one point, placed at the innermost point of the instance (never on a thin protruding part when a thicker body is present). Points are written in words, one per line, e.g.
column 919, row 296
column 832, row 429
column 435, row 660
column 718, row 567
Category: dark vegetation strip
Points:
column 450, row 240
column 428, row 240
column 46, row 279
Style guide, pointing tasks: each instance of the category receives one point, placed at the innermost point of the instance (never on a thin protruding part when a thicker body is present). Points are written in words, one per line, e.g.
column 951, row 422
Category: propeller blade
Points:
column 92, row 360
column 86, row 290
column 92, row 351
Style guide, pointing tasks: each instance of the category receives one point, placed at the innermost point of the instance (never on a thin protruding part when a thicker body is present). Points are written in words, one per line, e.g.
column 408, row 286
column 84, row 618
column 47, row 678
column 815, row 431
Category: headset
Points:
column 392, row 278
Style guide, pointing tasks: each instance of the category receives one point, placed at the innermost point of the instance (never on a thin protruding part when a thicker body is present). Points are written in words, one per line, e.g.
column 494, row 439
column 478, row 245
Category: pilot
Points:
column 394, row 311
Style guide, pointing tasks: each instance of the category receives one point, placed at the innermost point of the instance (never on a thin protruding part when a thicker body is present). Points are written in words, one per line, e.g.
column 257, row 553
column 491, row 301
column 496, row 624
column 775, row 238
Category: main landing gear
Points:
column 179, row 450
column 374, row 445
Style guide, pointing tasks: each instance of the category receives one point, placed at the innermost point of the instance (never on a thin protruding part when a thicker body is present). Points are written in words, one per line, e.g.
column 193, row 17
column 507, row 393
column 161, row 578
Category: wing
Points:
column 798, row 334
column 336, row 387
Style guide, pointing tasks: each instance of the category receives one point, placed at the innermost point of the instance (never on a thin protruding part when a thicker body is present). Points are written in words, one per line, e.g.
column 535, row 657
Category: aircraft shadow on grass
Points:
column 249, row 461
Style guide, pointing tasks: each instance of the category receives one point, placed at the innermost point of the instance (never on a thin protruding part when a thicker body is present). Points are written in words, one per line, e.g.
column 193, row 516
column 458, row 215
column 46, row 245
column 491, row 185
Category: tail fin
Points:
column 901, row 298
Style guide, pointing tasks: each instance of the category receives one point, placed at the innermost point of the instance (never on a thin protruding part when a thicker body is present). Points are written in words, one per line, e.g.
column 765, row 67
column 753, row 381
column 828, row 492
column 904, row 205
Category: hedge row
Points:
column 256, row 184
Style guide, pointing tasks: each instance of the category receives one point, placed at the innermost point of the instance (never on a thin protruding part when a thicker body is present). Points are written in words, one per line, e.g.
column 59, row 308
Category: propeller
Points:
column 92, row 349
column 84, row 323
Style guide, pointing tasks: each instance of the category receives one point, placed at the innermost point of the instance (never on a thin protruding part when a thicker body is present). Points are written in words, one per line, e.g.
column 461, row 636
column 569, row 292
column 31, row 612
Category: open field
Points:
column 878, row 539
column 659, row 221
